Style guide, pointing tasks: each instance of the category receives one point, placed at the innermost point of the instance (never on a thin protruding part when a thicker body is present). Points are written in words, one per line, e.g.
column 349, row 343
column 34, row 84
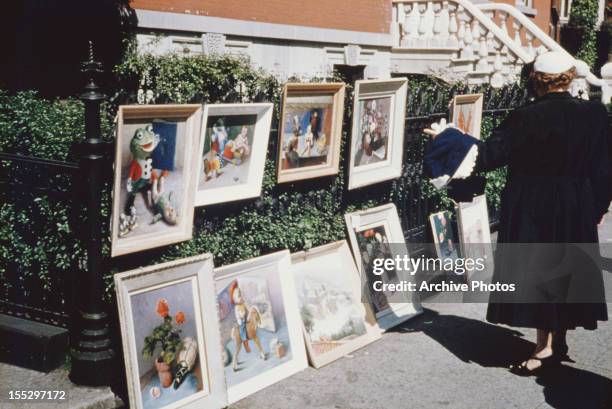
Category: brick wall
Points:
column 357, row 15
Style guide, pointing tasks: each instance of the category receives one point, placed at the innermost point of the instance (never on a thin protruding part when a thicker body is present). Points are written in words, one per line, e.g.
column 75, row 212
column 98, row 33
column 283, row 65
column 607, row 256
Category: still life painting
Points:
column 260, row 336
column 467, row 113
column 233, row 146
column 376, row 233
column 170, row 351
column 443, row 236
column 310, row 131
column 377, row 136
column 335, row 322
column 153, row 192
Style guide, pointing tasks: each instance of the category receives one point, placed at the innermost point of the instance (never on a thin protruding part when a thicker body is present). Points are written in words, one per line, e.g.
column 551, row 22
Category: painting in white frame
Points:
column 335, row 321
column 259, row 353
column 154, row 176
column 174, row 302
column 466, row 113
column 474, row 231
column 310, row 131
column 232, row 152
column 377, row 137
column 377, row 233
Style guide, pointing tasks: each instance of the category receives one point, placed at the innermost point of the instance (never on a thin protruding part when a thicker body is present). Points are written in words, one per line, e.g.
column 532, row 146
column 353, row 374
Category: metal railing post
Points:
column 91, row 350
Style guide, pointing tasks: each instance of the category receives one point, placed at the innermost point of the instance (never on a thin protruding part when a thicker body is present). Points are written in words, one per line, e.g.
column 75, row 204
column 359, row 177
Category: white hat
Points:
column 553, row 62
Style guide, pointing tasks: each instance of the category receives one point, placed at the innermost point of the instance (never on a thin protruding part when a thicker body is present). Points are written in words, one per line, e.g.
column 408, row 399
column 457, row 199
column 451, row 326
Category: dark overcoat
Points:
column 557, row 190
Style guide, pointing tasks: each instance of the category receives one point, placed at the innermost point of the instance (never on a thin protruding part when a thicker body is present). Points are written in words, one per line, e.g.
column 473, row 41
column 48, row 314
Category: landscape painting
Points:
column 260, row 336
column 233, row 146
column 154, row 183
column 310, row 131
column 335, row 321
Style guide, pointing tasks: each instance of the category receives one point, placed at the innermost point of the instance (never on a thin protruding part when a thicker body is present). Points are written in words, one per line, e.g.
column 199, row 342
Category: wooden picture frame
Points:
column 235, row 173
column 383, row 225
column 169, row 132
column 377, row 137
column 304, row 153
column 474, row 231
column 327, row 284
column 260, row 293
column 471, row 119
column 179, row 293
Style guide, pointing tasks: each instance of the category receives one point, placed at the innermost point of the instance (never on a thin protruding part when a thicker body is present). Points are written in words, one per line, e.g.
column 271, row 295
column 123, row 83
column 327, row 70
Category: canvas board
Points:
column 443, row 236
column 335, row 321
column 474, row 231
column 232, row 152
column 466, row 113
column 310, row 131
column 154, row 176
column 377, row 233
column 377, row 137
column 181, row 292
column 257, row 304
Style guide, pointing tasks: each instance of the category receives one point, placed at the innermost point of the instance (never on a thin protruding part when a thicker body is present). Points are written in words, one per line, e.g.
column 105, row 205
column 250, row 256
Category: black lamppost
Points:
column 91, row 351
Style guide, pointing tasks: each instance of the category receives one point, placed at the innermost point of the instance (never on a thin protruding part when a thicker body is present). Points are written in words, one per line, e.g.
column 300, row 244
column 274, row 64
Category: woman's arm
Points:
column 496, row 151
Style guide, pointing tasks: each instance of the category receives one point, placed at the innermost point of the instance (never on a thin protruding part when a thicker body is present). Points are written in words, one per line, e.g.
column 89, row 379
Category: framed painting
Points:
column 261, row 337
column 443, row 236
column 474, row 231
column 376, row 233
column 154, row 176
column 310, row 131
column 377, row 137
column 232, row 152
column 466, row 113
column 170, row 335
column 335, row 321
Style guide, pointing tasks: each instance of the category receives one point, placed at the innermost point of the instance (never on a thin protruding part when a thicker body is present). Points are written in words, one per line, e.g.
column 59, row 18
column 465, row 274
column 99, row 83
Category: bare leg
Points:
column 235, row 360
column 544, row 349
column 262, row 354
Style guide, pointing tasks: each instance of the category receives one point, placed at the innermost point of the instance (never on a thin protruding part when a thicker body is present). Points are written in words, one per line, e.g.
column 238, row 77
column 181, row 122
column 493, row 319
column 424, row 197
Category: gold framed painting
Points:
column 377, row 137
column 170, row 335
column 466, row 113
column 310, row 131
column 154, row 176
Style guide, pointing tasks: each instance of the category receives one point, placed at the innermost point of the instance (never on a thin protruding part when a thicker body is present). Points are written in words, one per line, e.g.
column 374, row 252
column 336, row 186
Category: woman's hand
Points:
column 437, row 128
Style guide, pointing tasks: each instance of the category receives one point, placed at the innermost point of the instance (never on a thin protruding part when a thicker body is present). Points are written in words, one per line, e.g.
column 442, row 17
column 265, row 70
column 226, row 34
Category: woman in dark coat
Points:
column 557, row 191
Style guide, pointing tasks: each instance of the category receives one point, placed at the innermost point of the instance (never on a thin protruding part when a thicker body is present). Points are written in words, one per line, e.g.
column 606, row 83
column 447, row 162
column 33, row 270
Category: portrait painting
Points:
column 261, row 339
column 310, row 131
column 335, row 321
column 377, row 137
column 443, row 236
column 233, row 146
column 376, row 233
column 154, row 176
column 474, row 231
column 170, row 335
column 466, row 113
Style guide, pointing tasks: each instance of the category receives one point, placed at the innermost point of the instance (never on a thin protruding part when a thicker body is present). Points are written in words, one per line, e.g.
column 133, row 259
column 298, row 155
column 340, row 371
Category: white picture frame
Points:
column 330, row 271
column 474, row 231
column 146, row 232
column 384, row 224
column 236, row 180
column 187, row 283
column 378, row 108
column 473, row 122
column 266, row 287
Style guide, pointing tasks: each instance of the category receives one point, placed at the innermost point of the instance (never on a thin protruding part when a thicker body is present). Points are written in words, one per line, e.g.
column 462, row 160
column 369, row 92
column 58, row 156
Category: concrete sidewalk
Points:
column 450, row 357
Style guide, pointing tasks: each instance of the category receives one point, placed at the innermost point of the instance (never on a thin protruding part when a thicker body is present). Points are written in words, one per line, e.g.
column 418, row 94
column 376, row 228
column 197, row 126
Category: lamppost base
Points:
column 92, row 368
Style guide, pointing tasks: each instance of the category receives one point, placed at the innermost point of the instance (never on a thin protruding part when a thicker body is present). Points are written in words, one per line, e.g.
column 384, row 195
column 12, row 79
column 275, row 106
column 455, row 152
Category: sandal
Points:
column 545, row 363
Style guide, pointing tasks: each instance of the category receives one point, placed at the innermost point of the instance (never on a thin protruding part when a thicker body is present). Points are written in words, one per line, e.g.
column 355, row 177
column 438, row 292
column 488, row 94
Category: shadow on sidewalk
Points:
column 488, row 345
